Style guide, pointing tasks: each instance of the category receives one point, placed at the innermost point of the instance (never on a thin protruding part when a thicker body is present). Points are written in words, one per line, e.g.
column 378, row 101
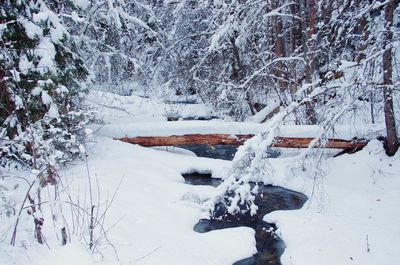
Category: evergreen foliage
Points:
column 41, row 86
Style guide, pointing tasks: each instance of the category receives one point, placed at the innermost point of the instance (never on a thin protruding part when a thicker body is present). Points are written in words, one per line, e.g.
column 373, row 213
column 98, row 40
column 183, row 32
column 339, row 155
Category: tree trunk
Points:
column 279, row 49
column 308, row 46
column 392, row 142
column 6, row 104
column 293, row 37
column 5, row 100
column 236, row 63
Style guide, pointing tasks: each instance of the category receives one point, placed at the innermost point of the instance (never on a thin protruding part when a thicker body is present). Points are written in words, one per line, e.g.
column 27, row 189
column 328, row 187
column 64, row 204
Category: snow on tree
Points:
column 117, row 41
column 41, row 85
column 343, row 85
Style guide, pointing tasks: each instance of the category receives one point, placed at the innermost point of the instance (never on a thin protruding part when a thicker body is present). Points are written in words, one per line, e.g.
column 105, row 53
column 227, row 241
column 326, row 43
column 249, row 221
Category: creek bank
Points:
column 269, row 198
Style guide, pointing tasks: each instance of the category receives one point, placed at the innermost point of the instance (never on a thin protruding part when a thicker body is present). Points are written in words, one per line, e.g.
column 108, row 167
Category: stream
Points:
column 269, row 198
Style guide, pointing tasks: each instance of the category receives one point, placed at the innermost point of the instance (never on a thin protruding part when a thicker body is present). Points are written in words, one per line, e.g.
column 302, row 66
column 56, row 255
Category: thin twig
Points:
column 14, row 235
column 148, row 254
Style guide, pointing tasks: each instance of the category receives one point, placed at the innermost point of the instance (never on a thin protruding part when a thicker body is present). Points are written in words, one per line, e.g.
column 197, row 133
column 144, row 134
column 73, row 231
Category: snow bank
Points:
column 351, row 217
column 164, row 128
column 154, row 211
column 130, row 116
column 152, row 217
column 116, row 109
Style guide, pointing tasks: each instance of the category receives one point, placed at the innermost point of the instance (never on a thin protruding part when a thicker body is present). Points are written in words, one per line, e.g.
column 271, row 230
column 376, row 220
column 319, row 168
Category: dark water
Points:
column 225, row 152
column 201, row 179
column 194, row 118
column 269, row 198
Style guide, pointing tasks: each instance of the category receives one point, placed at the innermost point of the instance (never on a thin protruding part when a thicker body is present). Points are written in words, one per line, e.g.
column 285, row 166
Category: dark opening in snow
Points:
column 270, row 198
column 225, row 152
column 201, row 179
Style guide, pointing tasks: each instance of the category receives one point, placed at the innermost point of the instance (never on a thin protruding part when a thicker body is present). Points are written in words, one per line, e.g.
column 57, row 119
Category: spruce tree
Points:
column 40, row 86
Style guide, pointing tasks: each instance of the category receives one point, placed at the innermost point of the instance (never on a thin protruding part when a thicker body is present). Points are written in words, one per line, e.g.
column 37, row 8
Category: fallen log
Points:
column 239, row 139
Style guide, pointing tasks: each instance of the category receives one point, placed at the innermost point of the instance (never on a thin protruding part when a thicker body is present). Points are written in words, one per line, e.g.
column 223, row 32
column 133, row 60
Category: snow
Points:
column 156, row 211
column 18, row 102
column 75, row 17
column 82, row 3
column 46, row 99
column 152, row 216
column 115, row 109
column 31, row 29
column 136, row 21
column 351, row 219
column 36, row 91
column 260, row 116
column 70, row 254
column 40, row 17
column 24, row 64
column 352, row 208
column 47, row 53
column 214, row 44
column 57, row 30
column 53, row 112
column 164, row 128
column 131, row 116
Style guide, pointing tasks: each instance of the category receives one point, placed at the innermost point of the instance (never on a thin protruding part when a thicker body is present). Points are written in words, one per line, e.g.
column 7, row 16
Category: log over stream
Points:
column 239, row 139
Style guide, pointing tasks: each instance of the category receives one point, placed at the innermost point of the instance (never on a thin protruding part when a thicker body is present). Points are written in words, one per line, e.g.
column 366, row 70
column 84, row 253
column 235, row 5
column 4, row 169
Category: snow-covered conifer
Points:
column 42, row 78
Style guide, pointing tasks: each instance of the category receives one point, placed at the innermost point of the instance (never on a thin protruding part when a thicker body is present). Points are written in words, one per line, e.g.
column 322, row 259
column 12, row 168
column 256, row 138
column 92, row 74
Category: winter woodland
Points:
column 76, row 74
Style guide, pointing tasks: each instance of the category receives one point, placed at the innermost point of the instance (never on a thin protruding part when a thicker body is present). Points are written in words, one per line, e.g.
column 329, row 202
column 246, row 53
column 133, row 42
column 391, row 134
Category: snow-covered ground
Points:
column 352, row 216
column 119, row 110
column 154, row 210
column 138, row 116
column 166, row 128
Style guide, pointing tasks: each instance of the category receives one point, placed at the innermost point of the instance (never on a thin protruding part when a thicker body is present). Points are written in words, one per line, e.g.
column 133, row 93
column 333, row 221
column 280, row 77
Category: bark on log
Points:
column 239, row 139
